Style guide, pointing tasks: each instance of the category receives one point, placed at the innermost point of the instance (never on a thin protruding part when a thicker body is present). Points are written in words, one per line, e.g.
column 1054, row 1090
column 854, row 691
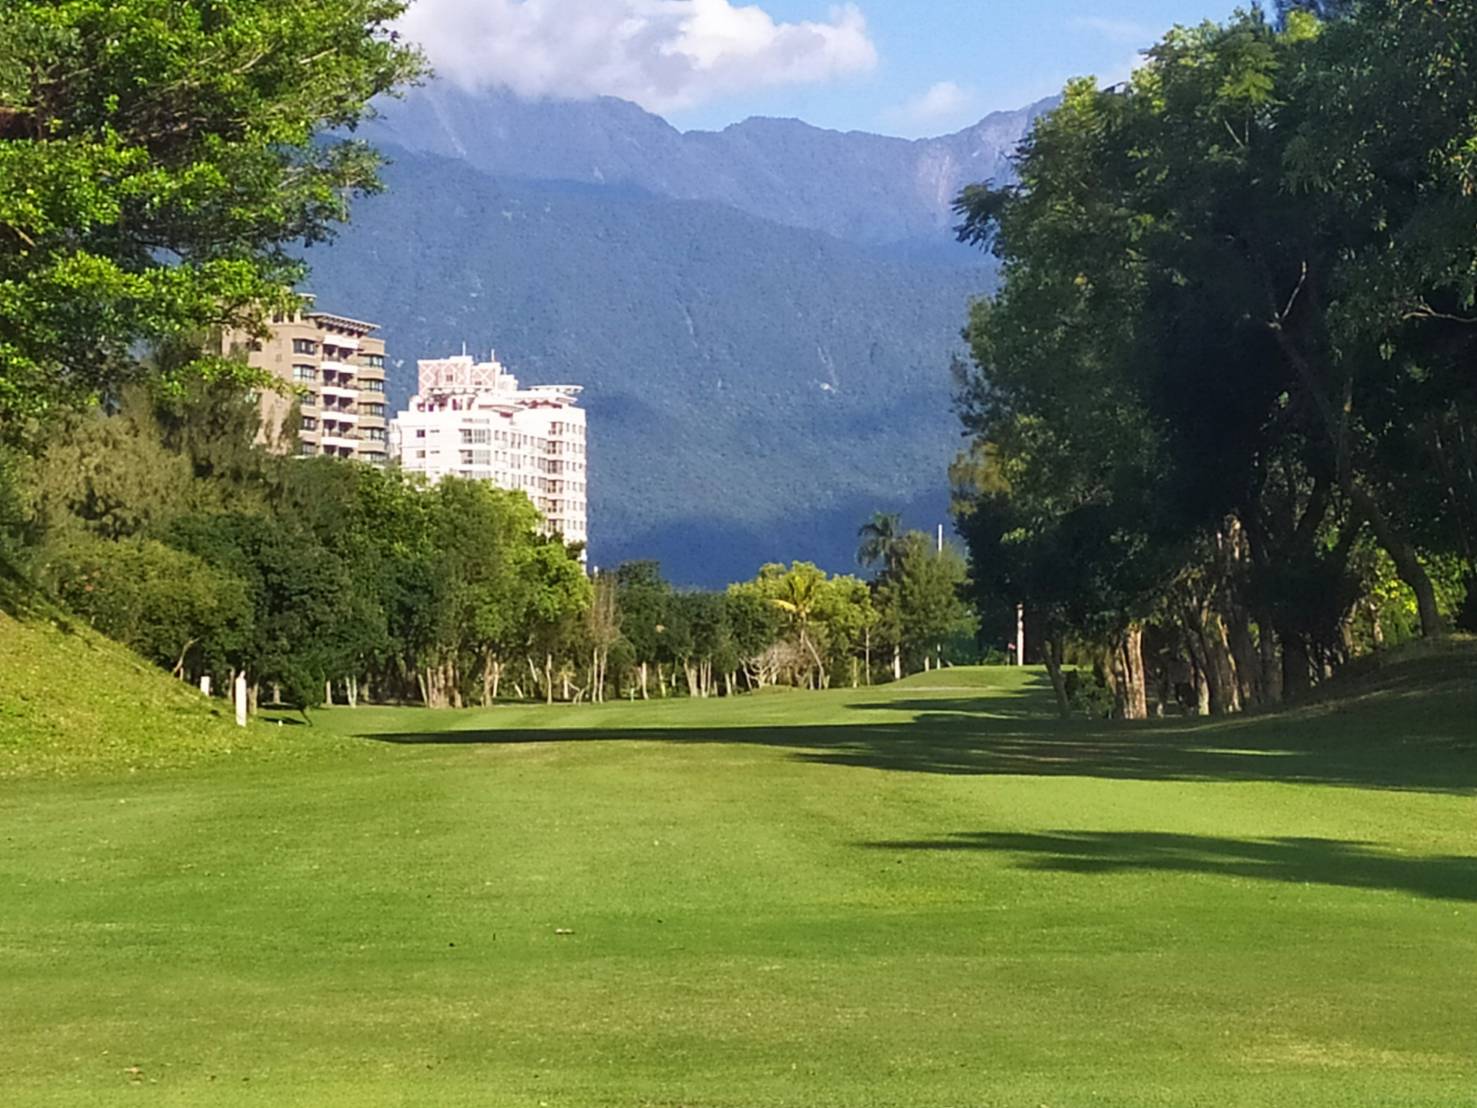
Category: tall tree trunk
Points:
column 1053, row 653
column 1226, row 691
column 1212, row 656
column 1244, row 655
column 644, row 694
column 1407, row 563
column 548, row 678
column 453, row 685
column 897, row 661
column 1297, row 667
column 1133, row 690
column 1271, row 661
column 328, row 693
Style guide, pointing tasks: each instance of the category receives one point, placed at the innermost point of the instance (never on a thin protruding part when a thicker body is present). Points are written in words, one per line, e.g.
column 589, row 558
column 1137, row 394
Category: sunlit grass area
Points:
column 926, row 894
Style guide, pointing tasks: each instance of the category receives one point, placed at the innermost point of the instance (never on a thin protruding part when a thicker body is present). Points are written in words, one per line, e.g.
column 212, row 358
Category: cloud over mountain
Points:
column 941, row 103
column 663, row 54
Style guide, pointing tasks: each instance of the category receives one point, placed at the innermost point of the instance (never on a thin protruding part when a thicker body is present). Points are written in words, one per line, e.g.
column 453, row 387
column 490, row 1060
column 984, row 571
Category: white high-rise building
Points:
column 472, row 420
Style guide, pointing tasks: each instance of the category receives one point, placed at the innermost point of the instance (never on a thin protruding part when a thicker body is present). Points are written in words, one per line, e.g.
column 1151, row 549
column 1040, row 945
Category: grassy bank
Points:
column 73, row 702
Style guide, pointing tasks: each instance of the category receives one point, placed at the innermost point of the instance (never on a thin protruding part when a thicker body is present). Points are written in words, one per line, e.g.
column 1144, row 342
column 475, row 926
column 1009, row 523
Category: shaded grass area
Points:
column 1410, row 724
column 907, row 896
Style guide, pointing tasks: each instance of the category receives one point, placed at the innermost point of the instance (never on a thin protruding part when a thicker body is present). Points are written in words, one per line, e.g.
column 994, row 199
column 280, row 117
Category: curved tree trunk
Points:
column 1407, row 563
column 1053, row 652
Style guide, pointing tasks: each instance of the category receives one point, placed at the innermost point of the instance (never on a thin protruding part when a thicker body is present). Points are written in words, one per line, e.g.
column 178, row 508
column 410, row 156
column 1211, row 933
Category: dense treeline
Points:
column 1224, row 407
column 167, row 527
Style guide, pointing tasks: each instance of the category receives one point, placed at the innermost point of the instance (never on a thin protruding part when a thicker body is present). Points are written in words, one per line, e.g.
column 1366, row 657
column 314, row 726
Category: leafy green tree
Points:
column 169, row 606
column 925, row 598
column 643, row 597
column 157, row 161
column 1209, row 368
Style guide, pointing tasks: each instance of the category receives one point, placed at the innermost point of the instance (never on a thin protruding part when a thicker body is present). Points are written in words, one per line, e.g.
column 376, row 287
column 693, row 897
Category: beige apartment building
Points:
column 337, row 369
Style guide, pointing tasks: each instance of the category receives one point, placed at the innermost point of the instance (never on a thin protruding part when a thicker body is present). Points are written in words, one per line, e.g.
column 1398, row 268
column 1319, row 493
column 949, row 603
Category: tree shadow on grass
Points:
column 1343, row 863
column 1425, row 743
column 1413, row 735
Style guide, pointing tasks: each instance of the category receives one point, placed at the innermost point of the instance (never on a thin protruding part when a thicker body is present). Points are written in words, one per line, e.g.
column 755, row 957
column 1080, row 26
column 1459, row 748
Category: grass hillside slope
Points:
column 907, row 896
column 72, row 700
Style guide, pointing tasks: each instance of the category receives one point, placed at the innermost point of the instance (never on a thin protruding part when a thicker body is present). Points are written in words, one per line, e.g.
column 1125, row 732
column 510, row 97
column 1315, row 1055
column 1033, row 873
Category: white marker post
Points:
column 1020, row 634
column 241, row 699
column 205, row 684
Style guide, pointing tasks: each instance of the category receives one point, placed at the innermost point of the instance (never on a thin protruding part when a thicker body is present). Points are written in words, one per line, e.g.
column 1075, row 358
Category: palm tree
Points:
column 881, row 538
column 801, row 595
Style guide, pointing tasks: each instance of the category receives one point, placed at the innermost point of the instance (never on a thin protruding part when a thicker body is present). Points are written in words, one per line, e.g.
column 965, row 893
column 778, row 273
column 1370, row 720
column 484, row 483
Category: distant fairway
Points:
column 932, row 894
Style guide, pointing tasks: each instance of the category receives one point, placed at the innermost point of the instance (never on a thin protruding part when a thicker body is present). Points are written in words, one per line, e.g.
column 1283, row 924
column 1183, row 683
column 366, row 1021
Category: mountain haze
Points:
column 763, row 319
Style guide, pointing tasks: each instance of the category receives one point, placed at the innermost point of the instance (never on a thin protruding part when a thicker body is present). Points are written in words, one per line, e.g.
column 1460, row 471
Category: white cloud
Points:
column 942, row 103
column 663, row 54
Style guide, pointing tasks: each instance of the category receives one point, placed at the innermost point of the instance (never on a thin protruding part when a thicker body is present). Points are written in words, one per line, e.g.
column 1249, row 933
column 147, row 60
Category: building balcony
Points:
column 340, row 392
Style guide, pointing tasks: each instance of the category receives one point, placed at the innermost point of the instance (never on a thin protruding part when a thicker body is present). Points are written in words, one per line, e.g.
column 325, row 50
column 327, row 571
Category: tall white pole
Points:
column 941, row 538
column 1020, row 634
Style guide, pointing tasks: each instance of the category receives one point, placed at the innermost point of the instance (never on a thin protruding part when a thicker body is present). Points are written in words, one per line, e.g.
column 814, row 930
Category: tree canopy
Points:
column 1234, row 341
column 158, row 161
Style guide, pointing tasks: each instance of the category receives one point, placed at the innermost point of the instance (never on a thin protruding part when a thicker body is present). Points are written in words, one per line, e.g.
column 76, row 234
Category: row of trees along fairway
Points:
column 1224, row 407
column 168, row 527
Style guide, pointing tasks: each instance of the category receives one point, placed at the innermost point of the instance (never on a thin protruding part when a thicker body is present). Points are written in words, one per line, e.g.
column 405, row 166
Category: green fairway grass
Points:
column 928, row 894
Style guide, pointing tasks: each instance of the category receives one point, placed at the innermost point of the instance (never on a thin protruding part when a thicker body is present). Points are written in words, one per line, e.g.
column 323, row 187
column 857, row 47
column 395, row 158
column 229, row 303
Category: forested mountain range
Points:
column 763, row 319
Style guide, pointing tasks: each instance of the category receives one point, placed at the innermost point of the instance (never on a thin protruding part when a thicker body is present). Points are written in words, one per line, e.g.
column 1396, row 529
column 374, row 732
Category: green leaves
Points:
column 158, row 160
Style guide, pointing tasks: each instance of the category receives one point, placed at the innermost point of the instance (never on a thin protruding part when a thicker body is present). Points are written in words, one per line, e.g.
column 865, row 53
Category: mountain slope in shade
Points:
column 856, row 186
column 754, row 390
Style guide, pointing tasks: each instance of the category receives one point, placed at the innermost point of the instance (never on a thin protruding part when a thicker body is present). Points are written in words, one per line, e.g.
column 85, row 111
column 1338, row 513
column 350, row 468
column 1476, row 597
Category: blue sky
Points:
column 998, row 55
column 907, row 67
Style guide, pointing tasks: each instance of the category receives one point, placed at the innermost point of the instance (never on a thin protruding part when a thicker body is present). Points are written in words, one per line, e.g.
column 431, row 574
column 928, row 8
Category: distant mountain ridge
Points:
column 763, row 318
column 856, row 186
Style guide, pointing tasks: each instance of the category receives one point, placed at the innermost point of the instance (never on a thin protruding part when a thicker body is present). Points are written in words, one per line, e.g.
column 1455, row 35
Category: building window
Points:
column 373, row 386
column 309, row 423
column 377, row 434
column 420, row 433
column 304, row 346
column 376, row 361
column 307, row 449
column 372, row 409
column 308, row 400
column 304, row 373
